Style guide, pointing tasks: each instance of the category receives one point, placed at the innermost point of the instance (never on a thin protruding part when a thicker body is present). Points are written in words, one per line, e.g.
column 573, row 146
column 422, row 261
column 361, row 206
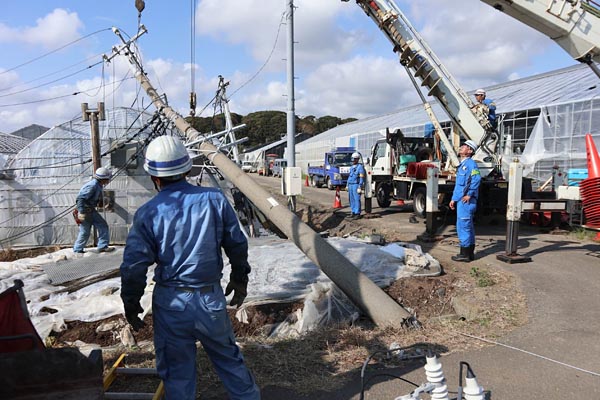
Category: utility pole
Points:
column 94, row 116
column 291, row 113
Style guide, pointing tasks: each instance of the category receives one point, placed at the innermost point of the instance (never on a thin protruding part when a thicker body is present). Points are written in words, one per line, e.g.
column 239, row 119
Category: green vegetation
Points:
column 584, row 234
column 266, row 126
column 483, row 277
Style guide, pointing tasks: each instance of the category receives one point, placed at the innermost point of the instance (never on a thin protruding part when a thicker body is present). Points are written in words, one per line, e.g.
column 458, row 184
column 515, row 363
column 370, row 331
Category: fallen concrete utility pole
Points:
column 372, row 300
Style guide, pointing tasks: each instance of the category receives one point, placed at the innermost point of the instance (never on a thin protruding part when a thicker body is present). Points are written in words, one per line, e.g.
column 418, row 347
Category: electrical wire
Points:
column 54, row 51
column 266, row 61
column 53, row 73
column 62, row 96
column 530, row 353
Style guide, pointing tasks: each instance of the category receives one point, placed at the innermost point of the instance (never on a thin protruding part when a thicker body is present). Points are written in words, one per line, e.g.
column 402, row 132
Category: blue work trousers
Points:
column 465, row 213
column 182, row 317
column 354, row 198
column 85, row 229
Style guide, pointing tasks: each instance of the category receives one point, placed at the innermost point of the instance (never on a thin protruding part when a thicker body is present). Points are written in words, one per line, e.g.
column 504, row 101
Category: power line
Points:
column 52, row 73
column 53, row 81
column 64, row 95
column 54, row 51
column 266, row 61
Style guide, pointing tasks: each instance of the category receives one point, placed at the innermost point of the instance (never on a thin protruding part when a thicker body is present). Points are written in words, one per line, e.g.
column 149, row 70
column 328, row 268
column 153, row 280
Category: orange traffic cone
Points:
column 306, row 181
column 593, row 159
column 337, row 203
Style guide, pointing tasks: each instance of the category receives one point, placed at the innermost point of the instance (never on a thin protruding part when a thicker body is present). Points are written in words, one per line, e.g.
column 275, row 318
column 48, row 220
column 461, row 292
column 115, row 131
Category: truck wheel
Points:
column 382, row 191
column 329, row 185
column 419, row 201
column 313, row 181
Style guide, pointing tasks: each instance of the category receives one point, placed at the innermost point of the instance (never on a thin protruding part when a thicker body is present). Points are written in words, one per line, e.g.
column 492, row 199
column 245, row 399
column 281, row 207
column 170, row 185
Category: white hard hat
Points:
column 471, row 144
column 102, row 173
column 480, row 91
column 167, row 156
column 355, row 155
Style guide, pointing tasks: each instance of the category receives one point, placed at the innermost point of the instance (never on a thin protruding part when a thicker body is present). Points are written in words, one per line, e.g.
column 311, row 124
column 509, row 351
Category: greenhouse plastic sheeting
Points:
column 280, row 272
column 558, row 139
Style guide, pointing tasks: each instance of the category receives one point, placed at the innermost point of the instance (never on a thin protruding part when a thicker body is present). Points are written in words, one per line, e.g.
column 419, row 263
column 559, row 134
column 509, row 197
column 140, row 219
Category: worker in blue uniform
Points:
column 356, row 184
column 488, row 107
column 464, row 200
column 183, row 230
column 87, row 215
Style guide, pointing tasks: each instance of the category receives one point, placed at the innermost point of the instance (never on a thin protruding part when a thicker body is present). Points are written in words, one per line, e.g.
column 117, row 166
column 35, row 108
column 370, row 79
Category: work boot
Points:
column 471, row 252
column 107, row 249
column 463, row 256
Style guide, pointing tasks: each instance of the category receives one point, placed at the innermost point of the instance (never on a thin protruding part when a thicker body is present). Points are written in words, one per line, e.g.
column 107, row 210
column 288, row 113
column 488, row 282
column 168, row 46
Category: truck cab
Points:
column 335, row 169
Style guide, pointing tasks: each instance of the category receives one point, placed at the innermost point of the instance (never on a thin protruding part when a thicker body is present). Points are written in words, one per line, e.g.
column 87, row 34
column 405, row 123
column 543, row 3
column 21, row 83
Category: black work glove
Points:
column 132, row 309
column 239, row 290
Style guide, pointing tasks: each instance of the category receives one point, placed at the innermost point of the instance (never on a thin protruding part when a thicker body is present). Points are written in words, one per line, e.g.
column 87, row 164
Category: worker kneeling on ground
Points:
column 183, row 229
column 356, row 184
column 464, row 200
column 87, row 215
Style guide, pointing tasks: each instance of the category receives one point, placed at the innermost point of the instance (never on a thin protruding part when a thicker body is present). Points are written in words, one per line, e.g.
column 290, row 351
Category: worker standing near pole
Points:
column 88, row 216
column 356, row 183
column 464, row 200
column 183, row 229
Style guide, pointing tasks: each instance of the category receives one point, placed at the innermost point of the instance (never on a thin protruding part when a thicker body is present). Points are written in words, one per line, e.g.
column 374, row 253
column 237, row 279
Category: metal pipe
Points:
column 372, row 300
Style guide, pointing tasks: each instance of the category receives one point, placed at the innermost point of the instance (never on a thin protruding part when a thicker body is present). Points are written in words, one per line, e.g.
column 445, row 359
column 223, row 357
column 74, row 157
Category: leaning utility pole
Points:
column 373, row 301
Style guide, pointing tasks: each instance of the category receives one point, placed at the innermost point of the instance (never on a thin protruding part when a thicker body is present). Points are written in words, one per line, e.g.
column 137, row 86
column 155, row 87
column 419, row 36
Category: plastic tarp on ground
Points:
column 280, row 273
column 558, row 138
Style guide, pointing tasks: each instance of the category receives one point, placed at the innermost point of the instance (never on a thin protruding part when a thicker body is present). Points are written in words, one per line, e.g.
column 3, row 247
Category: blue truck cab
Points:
column 335, row 169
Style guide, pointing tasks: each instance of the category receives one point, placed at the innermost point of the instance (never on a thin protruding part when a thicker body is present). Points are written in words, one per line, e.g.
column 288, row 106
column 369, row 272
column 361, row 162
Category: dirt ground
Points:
column 329, row 357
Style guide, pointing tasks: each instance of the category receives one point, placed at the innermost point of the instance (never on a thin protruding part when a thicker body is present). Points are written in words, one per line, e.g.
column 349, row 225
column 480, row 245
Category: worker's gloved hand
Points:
column 81, row 217
column 239, row 290
column 359, row 190
column 132, row 309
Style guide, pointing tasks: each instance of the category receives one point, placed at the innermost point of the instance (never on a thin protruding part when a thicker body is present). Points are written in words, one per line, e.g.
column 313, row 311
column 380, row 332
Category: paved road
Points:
column 556, row 356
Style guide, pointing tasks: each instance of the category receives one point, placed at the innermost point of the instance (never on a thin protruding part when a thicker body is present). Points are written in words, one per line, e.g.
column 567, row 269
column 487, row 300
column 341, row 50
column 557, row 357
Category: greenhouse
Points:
column 40, row 182
column 566, row 98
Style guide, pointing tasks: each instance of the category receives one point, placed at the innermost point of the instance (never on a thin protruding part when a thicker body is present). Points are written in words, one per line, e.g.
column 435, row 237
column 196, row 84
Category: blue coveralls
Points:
column 492, row 112
column 468, row 179
column 182, row 229
column 87, row 199
column 356, row 179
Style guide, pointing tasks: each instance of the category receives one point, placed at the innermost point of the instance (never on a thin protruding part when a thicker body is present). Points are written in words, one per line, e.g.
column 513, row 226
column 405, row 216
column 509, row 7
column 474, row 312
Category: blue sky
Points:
column 344, row 65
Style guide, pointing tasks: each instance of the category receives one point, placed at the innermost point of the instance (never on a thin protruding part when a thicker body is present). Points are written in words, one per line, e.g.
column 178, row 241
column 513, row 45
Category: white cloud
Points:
column 51, row 31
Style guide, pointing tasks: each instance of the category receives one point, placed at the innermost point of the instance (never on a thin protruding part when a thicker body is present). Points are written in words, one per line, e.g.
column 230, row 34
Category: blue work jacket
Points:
column 183, row 229
column 468, row 179
column 88, row 196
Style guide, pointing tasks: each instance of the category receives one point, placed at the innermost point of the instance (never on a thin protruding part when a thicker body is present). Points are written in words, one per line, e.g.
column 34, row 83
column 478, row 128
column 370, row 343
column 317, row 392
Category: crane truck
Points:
column 571, row 23
column 468, row 120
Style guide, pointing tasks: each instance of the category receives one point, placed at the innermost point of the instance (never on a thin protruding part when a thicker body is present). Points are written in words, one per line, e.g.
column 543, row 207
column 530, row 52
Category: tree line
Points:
column 266, row 126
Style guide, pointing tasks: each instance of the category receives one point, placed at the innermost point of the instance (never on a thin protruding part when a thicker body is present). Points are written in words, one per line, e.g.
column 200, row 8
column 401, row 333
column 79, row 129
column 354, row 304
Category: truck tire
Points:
column 382, row 192
column 314, row 181
column 419, row 201
column 329, row 185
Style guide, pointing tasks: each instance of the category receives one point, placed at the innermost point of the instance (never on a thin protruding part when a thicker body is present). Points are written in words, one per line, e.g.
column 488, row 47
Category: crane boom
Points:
column 423, row 64
column 573, row 24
